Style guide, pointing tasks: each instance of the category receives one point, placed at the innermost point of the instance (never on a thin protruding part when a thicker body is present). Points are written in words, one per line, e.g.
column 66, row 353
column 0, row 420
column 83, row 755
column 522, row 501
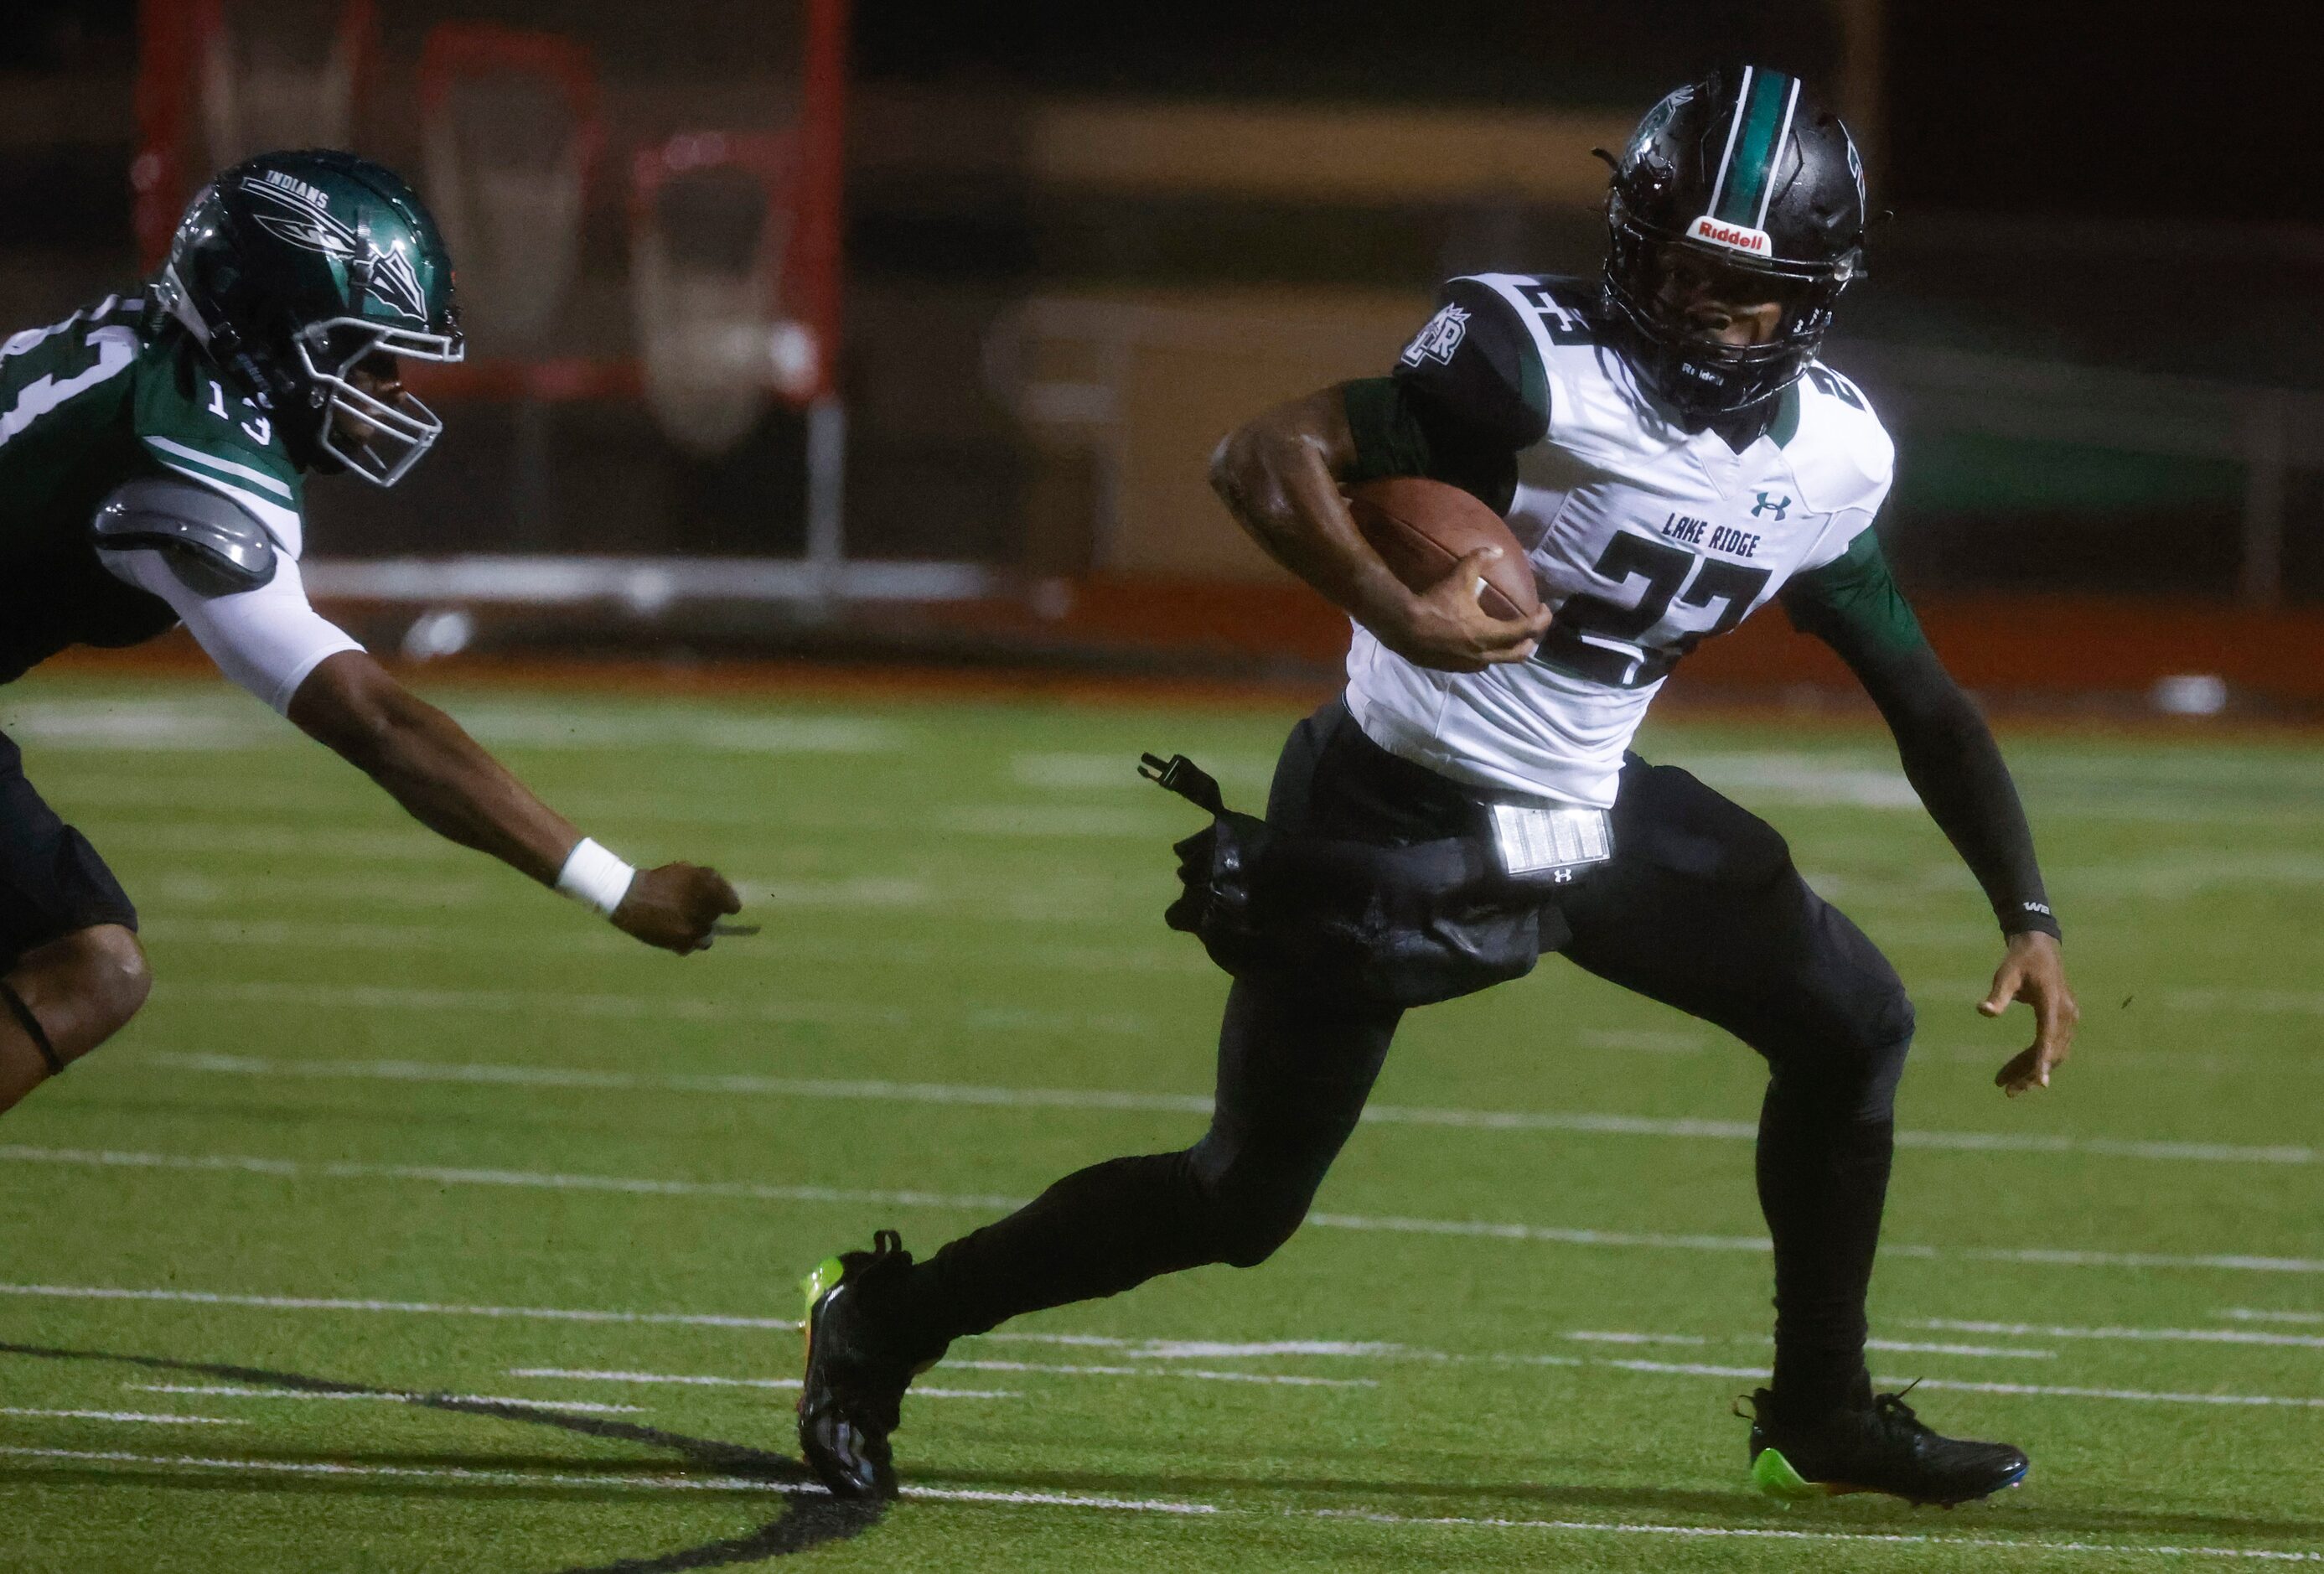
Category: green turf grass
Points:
column 391, row 1110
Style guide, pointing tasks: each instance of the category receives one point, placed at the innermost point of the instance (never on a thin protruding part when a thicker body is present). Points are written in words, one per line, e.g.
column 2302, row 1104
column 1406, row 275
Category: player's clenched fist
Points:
column 1447, row 627
column 673, row 907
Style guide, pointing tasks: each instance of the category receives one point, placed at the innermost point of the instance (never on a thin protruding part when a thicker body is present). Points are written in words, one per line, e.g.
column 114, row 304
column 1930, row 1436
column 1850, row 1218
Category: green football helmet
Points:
column 294, row 269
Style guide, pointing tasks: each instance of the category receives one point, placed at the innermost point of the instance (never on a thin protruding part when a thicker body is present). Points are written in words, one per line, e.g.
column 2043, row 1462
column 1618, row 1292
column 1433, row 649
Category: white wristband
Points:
column 594, row 878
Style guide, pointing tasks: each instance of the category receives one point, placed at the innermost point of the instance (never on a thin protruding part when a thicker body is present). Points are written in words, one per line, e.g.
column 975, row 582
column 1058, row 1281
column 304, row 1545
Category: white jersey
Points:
column 1643, row 538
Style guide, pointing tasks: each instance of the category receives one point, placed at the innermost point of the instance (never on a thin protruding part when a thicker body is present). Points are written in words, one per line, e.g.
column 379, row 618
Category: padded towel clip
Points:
column 1321, row 915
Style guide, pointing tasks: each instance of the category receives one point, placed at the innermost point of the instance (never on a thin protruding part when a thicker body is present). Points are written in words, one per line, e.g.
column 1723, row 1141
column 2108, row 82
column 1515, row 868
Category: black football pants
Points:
column 1701, row 908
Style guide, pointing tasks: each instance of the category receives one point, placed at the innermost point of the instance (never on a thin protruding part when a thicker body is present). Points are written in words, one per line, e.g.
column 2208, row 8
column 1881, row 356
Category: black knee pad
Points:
column 1858, row 1064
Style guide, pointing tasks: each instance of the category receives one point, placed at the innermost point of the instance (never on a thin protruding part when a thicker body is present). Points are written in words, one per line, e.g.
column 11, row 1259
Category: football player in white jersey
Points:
column 1671, row 454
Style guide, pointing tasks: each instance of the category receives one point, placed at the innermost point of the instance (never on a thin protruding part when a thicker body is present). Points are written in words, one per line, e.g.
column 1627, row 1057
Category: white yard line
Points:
column 131, row 1417
column 2140, row 1396
column 532, row 1179
column 1594, row 1336
column 423, row 1308
column 2250, row 1314
column 895, row 1092
column 687, row 1380
column 195, row 722
column 654, row 1009
column 2053, row 1257
column 1643, row 1042
column 1756, row 1533
column 1161, row 1349
column 1983, row 1352
column 565, row 942
column 752, row 1191
column 1156, row 1349
column 1274, row 1379
column 2221, row 1336
column 584, row 1480
column 1177, row 1350
column 2260, row 1002
column 1965, row 1386
column 233, row 1391
column 340, row 892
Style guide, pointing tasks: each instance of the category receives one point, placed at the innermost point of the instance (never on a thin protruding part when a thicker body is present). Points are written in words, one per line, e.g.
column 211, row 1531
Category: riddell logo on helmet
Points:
column 1735, row 237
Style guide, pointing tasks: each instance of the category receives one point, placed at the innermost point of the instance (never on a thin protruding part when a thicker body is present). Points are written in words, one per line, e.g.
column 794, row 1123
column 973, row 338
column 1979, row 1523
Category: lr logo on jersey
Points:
column 1439, row 339
column 1771, row 505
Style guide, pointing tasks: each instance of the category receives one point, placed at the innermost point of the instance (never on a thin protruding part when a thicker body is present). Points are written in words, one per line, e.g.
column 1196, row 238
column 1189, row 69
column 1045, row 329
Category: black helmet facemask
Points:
column 1744, row 176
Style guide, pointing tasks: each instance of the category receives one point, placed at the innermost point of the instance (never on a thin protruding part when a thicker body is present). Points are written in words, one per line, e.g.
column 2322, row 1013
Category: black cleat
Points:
column 1881, row 1447
column 854, row 1391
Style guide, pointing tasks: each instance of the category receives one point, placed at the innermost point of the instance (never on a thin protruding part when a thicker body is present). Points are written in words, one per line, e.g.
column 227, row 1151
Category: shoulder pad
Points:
column 1841, row 452
column 211, row 543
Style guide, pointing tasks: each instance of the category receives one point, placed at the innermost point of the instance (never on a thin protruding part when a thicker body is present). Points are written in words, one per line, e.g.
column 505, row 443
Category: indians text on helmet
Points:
column 301, row 215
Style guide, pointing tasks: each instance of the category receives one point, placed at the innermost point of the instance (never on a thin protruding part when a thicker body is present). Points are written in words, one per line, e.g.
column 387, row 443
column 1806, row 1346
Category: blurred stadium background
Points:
column 809, row 328
column 820, row 346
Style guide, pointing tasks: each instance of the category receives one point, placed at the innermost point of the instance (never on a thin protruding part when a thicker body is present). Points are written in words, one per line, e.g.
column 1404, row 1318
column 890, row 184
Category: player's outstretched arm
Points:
column 244, row 601
column 1949, row 756
column 1279, row 474
column 427, row 763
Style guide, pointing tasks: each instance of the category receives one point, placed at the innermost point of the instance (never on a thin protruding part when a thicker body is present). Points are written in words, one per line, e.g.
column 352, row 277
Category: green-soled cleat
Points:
column 852, row 1395
column 1772, row 1474
column 1882, row 1446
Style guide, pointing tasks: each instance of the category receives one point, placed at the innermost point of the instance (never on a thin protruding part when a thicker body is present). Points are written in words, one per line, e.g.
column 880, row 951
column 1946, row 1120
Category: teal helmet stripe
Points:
column 1763, row 121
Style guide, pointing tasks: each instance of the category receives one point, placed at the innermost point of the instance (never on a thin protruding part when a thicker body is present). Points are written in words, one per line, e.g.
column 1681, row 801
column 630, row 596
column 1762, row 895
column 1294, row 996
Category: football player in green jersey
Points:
column 153, row 456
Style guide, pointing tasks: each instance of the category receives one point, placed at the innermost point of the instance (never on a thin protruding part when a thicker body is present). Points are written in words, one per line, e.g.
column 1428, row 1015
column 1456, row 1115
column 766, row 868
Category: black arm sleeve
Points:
column 1949, row 754
column 1466, row 394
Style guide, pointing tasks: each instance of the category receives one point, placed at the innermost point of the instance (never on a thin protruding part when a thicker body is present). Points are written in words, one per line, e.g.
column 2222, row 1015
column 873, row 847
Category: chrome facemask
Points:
column 394, row 435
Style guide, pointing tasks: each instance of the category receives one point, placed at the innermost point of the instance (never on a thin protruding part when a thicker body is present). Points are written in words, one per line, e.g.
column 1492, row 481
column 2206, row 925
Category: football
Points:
column 1421, row 527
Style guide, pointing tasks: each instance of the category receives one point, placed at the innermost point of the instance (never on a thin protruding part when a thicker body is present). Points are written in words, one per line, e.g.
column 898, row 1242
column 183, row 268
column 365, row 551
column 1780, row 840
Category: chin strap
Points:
column 32, row 1028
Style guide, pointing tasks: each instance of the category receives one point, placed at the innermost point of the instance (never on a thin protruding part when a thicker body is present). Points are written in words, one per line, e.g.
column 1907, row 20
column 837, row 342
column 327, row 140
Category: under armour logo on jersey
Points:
column 1439, row 339
column 1771, row 505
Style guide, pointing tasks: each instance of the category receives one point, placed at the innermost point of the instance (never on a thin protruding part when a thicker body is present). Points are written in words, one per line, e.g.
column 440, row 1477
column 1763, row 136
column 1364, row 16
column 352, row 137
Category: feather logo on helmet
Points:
column 291, row 210
column 1735, row 237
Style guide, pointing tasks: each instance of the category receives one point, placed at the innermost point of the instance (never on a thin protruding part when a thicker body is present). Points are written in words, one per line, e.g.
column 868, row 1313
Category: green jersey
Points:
column 112, row 393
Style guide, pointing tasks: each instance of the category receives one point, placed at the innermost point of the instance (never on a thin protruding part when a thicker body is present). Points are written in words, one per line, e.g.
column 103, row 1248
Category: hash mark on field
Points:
column 692, row 1381
column 392, row 1395
column 1584, row 1123
column 131, row 1417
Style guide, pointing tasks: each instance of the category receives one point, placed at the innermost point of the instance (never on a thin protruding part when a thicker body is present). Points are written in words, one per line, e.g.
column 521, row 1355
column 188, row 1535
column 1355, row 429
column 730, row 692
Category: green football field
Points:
column 424, row 1222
